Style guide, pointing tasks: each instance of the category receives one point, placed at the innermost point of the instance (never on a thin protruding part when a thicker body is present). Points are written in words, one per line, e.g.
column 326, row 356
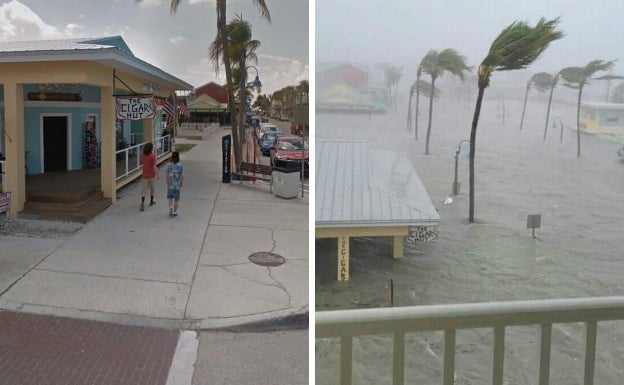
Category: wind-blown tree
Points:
column 392, row 76
column 577, row 78
column 242, row 50
column 419, row 87
column 541, row 81
column 221, row 6
column 618, row 94
column 553, row 84
column 418, row 75
column 435, row 64
column 516, row 47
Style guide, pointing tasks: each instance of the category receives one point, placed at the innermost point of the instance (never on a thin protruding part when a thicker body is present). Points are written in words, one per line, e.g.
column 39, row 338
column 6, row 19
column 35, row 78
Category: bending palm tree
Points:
column 435, row 64
column 222, row 34
column 577, row 77
column 553, row 84
column 516, row 47
column 542, row 81
column 418, row 75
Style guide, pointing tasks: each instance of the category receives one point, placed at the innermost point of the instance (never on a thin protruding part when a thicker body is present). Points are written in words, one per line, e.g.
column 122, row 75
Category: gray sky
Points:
column 401, row 32
column 176, row 43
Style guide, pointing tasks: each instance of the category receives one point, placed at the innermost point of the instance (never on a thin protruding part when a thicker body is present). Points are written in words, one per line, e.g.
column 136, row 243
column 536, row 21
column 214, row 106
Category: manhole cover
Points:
column 267, row 259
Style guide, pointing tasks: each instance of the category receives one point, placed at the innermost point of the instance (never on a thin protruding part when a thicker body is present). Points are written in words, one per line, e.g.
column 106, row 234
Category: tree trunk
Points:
column 222, row 31
column 409, row 112
column 416, row 110
column 473, row 141
column 526, row 95
column 430, row 115
column 552, row 88
column 578, row 125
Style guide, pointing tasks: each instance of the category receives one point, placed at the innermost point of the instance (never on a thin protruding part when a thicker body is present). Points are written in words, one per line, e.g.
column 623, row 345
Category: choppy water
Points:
column 578, row 251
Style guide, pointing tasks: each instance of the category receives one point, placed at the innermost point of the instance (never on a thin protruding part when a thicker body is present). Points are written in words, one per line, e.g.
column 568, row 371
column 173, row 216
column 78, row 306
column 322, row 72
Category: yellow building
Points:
column 69, row 105
column 603, row 118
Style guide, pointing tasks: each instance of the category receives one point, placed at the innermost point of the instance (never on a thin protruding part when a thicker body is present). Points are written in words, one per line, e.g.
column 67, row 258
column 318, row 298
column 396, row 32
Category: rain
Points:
column 524, row 165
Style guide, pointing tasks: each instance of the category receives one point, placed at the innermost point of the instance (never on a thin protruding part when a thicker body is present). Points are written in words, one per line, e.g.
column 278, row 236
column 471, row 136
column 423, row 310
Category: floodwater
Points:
column 578, row 251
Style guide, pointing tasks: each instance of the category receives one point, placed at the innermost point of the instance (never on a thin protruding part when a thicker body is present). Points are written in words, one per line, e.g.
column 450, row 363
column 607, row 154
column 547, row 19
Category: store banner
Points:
column 135, row 108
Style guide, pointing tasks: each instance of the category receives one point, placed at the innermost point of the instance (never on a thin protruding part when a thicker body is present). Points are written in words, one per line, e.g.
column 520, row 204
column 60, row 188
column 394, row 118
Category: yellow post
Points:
column 148, row 130
column 343, row 258
column 398, row 246
column 14, row 178
column 109, row 169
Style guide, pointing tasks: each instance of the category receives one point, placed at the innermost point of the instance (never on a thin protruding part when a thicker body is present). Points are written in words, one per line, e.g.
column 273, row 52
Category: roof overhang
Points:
column 109, row 56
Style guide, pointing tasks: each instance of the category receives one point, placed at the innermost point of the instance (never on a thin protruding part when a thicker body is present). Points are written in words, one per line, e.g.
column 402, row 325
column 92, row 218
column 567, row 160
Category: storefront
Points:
column 60, row 111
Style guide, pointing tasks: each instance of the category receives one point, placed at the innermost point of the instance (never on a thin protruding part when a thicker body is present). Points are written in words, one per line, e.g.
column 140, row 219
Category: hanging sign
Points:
column 135, row 108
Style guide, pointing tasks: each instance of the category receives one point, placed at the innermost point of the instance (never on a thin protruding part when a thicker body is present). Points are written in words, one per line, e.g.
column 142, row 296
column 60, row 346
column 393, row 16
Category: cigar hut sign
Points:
column 135, row 108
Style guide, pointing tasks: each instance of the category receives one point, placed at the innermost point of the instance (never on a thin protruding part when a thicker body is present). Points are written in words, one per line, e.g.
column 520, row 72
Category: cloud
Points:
column 176, row 40
column 19, row 21
column 73, row 29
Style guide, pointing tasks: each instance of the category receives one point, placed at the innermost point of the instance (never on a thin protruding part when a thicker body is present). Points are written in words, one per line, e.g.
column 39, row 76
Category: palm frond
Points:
column 423, row 87
column 541, row 81
column 519, row 45
column 571, row 75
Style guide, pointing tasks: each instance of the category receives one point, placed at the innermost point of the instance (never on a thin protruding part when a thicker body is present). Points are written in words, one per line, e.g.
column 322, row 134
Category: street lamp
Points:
column 455, row 182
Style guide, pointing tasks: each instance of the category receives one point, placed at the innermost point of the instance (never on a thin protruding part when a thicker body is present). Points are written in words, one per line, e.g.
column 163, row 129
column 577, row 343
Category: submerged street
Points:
column 576, row 253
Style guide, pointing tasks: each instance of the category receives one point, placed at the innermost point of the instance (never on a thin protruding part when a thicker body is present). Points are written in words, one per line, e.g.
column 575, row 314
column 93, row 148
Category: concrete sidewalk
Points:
column 189, row 272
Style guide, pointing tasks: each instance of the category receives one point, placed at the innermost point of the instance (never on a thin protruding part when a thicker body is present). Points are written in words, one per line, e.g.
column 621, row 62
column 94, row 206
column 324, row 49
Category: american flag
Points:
column 183, row 109
column 170, row 111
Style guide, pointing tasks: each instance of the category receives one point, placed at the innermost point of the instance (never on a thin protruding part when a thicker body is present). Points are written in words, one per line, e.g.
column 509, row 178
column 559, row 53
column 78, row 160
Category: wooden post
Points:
column 398, row 246
column 343, row 258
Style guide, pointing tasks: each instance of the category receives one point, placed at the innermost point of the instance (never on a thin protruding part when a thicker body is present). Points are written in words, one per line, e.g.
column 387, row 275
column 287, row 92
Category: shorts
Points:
column 173, row 194
column 149, row 185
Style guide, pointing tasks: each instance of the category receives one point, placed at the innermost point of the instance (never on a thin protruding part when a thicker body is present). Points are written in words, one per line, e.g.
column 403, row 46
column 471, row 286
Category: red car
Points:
column 289, row 149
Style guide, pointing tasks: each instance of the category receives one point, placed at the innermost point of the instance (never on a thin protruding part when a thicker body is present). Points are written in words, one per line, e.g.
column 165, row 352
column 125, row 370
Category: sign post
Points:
column 226, row 145
column 534, row 222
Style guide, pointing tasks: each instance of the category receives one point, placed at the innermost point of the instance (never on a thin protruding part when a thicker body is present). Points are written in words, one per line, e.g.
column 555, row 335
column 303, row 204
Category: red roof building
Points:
column 216, row 91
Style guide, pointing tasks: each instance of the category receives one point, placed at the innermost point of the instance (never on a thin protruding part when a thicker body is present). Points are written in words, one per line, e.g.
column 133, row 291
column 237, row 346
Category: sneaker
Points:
column 170, row 211
column 175, row 213
column 142, row 206
column 152, row 203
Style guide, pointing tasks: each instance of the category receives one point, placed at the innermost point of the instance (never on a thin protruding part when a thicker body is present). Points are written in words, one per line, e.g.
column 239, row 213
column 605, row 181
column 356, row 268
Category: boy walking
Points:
column 175, row 179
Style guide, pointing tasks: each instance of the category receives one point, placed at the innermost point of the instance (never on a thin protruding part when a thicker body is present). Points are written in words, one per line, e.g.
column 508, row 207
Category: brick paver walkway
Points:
column 38, row 349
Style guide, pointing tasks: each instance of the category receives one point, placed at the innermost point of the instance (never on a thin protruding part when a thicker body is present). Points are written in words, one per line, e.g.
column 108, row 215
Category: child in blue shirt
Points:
column 175, row 179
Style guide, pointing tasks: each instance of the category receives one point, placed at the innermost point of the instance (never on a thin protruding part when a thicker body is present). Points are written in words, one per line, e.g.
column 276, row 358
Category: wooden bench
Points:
column 251, row 171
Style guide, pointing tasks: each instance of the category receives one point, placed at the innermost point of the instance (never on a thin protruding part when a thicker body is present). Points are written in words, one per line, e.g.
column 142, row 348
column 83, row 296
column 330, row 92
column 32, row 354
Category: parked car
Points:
column 267, row 127
column 284, row 118
column 289, row 149
column 267, row 140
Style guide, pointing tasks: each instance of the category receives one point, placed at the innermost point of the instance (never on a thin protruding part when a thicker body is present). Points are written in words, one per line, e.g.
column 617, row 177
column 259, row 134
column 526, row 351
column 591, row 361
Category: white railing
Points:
column 347, row 324
column 131, row 159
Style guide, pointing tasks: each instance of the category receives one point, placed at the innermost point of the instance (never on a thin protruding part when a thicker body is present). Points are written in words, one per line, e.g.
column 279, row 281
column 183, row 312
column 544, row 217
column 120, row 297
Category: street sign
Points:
column 226, row 145
column 534, row 222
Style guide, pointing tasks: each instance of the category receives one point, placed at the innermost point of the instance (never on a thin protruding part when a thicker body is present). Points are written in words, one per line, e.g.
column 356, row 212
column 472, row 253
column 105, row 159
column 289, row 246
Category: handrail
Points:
column 161, row 148
column 347, row 324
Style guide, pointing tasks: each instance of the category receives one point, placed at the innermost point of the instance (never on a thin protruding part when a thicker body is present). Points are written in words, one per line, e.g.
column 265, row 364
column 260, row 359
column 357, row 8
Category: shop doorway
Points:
column 55, row 147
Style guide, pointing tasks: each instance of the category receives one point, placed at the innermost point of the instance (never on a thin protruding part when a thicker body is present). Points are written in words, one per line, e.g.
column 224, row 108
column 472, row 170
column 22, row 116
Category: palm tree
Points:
column 516, row 47
column 242, row 50
column 392, row 77
column 419, row 87
column 435, row 64
column 541, row 81
column 577, row 77
column 553, row 84
column 222, row 32
column 418, row 75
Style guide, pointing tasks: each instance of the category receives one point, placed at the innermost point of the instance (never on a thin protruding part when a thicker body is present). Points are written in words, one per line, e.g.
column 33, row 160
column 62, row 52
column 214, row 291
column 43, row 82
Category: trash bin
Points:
column 285, row 179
